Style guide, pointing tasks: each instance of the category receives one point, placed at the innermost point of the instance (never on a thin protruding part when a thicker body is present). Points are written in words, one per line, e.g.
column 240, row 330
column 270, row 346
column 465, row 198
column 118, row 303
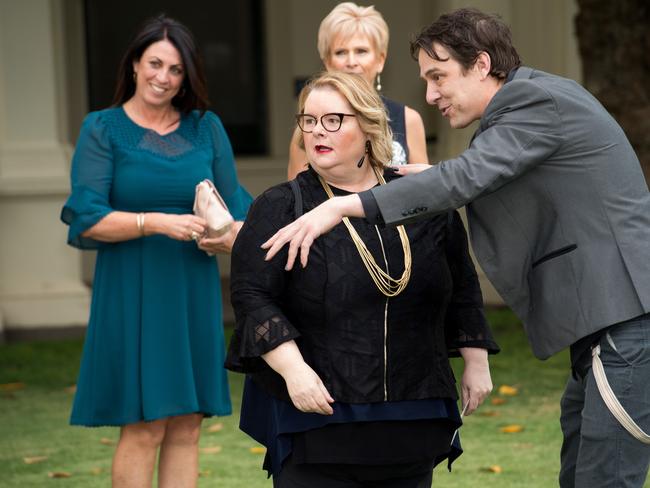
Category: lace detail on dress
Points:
column 464, row 338
column 172, row 146
column 256, row 335
column 175, row 145
column 274, row 327
column 466, row 327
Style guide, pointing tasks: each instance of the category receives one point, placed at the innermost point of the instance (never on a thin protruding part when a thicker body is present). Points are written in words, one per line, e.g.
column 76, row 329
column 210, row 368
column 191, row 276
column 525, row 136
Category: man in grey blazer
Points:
column 559, row 218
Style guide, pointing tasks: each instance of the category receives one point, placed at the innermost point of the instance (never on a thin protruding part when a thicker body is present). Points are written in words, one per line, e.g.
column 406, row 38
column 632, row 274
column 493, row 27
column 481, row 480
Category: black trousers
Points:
column 412, row 475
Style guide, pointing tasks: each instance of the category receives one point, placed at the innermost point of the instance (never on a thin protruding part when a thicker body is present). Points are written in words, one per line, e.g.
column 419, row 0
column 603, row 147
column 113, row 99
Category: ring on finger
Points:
column 194, row 236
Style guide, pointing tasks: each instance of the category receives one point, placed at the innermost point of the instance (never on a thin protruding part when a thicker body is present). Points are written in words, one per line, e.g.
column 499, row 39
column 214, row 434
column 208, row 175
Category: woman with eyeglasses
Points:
column 354, row 39
column 347, row 360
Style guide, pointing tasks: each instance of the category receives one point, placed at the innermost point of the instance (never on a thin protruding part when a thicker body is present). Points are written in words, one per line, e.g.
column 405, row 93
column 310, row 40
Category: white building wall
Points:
column 40, row 277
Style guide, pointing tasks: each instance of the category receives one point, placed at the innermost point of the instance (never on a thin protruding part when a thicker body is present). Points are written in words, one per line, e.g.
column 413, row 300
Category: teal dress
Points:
column 154, row 346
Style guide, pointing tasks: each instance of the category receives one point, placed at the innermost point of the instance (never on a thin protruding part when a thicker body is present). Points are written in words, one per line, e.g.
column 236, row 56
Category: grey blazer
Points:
column 557, row 205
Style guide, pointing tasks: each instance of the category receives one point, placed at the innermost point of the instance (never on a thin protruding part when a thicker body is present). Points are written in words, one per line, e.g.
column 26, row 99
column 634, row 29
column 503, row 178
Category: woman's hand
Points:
column 307, row 391
column 411, row 169
column 180, row 227
column 221, row 244
column 476, row 383
column 301, row 233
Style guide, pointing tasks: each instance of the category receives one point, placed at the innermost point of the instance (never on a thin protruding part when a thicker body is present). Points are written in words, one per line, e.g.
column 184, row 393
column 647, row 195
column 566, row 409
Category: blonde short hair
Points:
column 348, row 19
column 367, row 106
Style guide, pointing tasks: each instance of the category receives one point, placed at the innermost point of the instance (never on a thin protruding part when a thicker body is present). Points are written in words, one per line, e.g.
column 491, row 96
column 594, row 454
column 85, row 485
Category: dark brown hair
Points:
column 467, row 32
column 193, row 94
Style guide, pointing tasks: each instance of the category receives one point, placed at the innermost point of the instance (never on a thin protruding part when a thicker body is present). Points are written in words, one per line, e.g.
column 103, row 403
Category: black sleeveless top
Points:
column 397, row 122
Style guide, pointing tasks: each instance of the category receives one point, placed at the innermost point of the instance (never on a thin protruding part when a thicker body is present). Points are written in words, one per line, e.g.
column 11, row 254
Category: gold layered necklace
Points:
column 386, row 284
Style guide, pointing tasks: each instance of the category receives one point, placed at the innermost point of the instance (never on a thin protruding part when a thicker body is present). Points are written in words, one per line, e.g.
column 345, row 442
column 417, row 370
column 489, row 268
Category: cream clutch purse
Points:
column 209, row 205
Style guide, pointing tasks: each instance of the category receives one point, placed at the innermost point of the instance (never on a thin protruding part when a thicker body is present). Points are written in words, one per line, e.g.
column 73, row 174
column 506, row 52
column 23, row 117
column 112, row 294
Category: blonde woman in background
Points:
column 354, row 39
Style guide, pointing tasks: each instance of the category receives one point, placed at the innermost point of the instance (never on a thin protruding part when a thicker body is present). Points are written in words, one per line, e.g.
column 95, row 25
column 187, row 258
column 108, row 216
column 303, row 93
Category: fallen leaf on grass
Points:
column 59, row 474
column 12, row 386
column 210, row 450
column 34, row 459
column 70, row 389
column 488, row 413
column 96, row 471
column 106, row 441
column 512, row 429
column 497, row 401
column 215, row 427
column 204, row 473
column 258, row 450
column 493, row 469
column 506, row 390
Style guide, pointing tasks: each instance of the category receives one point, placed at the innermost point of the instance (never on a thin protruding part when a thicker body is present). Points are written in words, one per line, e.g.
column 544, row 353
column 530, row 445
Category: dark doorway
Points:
column 230, row 37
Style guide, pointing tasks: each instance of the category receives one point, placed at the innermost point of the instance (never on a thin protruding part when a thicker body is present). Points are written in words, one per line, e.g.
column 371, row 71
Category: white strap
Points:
column 611, row 401
column 462, row 414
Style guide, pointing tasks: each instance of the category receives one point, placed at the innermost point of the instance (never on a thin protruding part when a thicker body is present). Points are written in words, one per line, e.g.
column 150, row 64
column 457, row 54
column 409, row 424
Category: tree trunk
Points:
column 614, row 43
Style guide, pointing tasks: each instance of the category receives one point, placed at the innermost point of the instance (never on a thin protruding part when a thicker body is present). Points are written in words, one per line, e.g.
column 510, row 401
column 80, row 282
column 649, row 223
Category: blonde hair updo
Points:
column 348, row 19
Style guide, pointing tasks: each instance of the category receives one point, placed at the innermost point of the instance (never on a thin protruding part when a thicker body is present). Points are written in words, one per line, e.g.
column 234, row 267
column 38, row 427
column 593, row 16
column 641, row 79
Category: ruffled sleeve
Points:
column 91, row 181
column 465, row 322
column 237, row 199
column 258, row 287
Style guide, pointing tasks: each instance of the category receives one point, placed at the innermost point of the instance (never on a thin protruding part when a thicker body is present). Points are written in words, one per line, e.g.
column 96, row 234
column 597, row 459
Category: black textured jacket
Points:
column 364, row 346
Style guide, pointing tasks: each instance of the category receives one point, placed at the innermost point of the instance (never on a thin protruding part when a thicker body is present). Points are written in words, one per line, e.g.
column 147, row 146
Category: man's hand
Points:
column 301, row 233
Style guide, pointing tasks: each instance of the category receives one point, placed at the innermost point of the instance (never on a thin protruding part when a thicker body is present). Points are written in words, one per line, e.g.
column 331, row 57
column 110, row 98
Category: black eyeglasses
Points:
column 330, row 122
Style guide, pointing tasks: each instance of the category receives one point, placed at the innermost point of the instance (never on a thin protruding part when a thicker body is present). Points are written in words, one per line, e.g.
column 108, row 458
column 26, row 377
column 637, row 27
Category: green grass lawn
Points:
column 34, row 422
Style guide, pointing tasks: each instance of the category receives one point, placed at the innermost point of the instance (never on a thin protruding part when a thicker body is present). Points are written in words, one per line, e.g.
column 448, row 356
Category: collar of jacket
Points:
column 520, row 73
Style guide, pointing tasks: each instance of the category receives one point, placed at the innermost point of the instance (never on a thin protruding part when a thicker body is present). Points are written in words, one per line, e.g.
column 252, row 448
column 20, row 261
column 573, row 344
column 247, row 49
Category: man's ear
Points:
column 483, row 64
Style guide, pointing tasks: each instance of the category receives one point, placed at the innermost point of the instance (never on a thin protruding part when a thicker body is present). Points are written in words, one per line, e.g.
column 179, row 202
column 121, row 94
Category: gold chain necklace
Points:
column 386, row 284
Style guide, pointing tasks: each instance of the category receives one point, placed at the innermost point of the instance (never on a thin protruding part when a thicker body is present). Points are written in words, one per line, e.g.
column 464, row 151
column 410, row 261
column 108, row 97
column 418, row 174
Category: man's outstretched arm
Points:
column 301, row 233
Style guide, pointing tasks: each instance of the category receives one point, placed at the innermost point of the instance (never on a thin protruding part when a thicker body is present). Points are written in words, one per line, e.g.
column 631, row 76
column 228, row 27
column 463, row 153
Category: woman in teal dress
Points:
column 154, row 350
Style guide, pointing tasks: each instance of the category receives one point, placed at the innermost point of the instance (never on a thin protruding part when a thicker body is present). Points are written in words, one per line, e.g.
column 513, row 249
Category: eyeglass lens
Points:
column 330, row 122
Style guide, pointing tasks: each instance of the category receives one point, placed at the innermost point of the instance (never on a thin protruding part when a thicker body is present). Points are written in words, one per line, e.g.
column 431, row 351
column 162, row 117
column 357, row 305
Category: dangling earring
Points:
column 182, row 93
column 379, row 81
column 360, row 163
column 135, row 77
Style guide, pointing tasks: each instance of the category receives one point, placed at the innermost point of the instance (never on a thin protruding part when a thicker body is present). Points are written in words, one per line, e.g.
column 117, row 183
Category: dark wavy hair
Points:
column 467, row 32
column 193, row 94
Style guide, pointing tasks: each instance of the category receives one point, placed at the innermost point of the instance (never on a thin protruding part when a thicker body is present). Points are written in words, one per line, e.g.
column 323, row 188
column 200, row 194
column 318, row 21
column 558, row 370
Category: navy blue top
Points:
column 271, row 421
